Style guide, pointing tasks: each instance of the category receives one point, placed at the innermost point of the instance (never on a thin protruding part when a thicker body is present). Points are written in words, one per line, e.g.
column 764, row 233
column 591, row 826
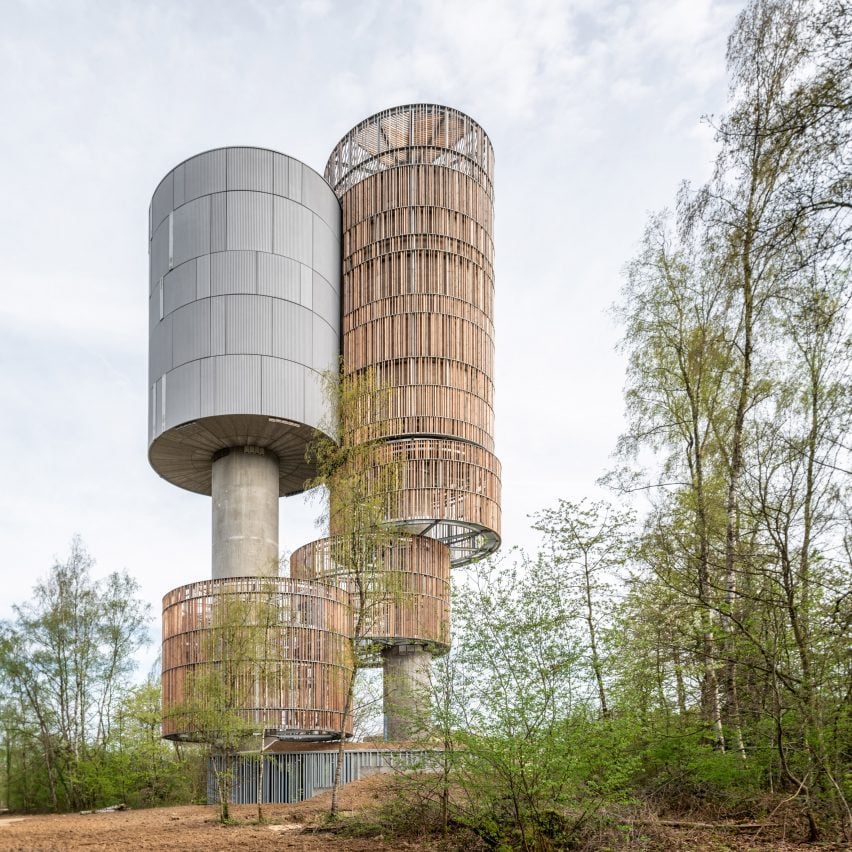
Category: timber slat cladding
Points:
column 439, row 479
column 435, row 479
column 416, row 191
column 288, row 677
column 407, row 582
column 391, row 269
column 427, row 134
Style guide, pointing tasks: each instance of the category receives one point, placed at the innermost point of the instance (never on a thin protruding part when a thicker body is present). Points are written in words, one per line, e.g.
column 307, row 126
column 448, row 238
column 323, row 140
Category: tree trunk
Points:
column 341, row 750
column 590, row 622
column 223, row 787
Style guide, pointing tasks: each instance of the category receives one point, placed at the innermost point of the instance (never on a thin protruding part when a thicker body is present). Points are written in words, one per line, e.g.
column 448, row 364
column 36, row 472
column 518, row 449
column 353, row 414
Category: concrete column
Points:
column 245, row 513
column 406, row 691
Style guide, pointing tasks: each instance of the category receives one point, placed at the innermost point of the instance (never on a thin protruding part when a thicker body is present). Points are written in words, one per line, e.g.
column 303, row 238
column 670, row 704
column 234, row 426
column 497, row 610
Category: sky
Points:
column 594, row 109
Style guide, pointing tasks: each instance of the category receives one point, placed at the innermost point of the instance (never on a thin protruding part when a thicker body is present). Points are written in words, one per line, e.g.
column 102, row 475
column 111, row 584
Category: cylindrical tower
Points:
column 416, row 188
column 282, row 644
column 244, row 305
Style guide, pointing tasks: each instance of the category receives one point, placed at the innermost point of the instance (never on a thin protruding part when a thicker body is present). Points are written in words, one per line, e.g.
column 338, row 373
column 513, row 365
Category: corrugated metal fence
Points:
column 296, row 776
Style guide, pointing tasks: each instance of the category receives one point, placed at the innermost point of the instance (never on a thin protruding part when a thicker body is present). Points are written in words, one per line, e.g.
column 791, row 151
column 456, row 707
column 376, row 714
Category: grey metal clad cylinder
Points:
column 244, row 306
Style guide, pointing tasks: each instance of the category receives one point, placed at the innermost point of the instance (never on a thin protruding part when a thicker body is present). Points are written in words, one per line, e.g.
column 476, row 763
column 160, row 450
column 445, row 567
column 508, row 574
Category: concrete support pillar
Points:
column 245, row 513
column 407, row 670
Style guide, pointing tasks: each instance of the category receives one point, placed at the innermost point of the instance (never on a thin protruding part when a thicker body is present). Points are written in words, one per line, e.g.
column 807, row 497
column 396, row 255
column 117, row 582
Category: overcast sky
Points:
column 593, row 107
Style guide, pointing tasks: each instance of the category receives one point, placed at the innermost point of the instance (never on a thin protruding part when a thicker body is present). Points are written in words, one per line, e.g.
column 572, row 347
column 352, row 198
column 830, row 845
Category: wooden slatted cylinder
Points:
column 406, row 583
column 274, row 651
column 416, row 190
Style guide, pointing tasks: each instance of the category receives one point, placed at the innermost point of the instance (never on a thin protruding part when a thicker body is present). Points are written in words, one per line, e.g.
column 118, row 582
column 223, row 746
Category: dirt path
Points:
column 195, row 827
column 180, row 828
column 294, row 827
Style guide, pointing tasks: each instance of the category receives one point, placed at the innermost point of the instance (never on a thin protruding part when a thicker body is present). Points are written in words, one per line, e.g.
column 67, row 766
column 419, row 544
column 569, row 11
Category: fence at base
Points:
column 295, row 776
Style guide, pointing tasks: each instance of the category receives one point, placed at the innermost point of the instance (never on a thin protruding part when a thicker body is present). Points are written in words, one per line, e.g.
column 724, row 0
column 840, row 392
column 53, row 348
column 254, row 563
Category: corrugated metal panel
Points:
column 204, row 174
column 180, row 196
column 152, row 413
column 278, row 276
column 292, row 777
column 160, row 350
column 179, row 287
column 283, row 388
column 250, row 168
column 191, row 230
column 161, row 398
column 238, row 384
column 249, row 221
column 318, row 196
column 316, row 401
column 154, row 308
column 326, row 302
column 326, row 346
column 208, row 387
column 292, row 230
column 191, row 332
column 217, row 325
column 292, row 332
column 233, row 272
column 295, row 191
column 248, row 325
column 218, row 221
column 183, row 402
column 163, row 201
column 326, row 253
column 202, row 278
column 159, row 252
column 281, row 174
column 306, row 289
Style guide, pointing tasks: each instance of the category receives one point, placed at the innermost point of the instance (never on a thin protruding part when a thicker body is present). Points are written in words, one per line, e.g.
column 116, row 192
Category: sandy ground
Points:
column 195, row 827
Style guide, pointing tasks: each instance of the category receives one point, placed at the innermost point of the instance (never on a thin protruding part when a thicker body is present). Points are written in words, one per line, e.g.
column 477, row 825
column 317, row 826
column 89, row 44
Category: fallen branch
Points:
column 723, row 826
column 110, row 809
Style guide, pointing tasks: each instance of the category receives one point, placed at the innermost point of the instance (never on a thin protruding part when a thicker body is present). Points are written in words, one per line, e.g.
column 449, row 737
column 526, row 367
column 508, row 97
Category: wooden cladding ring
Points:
column 415, row 271
column 445, row 489
column 427, row 134
column 406, row 304
column 399, row 223
column 418, row 336
column 406, row 581
column 280, row 644
column 430, row 396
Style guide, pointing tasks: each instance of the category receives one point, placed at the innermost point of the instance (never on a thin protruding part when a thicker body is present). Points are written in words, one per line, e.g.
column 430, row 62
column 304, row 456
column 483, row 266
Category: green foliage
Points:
column 75, row 732
column 528, row 759
column 153, row 772
column 735, row 316
column 66, row 659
